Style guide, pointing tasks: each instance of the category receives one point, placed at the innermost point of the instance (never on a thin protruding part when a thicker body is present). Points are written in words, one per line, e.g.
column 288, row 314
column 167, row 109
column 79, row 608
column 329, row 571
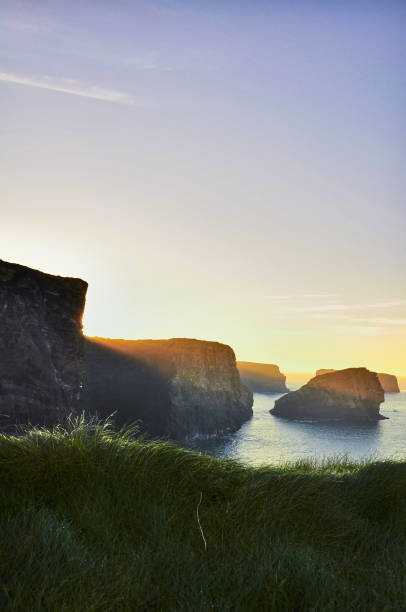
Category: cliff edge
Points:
column 324, row 371
column 177, row 388
column 262, row 377
column 41, row 345
column 388, row 382
column 350, row 394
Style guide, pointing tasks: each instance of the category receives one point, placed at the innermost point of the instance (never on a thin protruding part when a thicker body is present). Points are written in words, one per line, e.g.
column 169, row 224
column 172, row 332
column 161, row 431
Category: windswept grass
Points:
column 93, row 520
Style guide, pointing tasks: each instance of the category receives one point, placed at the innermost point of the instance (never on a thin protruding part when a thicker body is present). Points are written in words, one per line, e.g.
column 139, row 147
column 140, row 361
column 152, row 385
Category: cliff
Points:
column 324, row 371
column 351, row 394
column 41, row 345
column 262, row 377
column 176, row 388
column 388, row 382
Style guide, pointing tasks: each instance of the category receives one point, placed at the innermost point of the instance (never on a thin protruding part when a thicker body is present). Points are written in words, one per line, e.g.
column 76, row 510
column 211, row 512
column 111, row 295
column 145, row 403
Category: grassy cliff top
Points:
column 93, row 520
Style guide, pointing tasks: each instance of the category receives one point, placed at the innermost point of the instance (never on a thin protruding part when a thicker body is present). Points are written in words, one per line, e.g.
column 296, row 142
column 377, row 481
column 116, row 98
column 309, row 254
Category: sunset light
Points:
column 203, row 306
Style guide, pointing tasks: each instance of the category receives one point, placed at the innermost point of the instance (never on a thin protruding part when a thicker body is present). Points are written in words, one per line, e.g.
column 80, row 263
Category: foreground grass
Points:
column 90, row 520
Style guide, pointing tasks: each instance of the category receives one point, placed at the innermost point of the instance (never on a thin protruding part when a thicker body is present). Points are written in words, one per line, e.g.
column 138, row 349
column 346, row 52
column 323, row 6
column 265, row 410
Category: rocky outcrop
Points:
column 176, row 388
column 388, row 382
column 262, row 377
column 324, row 371
column 41, row 345
column 351, row 394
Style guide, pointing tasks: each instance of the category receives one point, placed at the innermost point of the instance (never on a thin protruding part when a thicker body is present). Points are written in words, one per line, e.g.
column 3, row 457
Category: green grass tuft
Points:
column 93, row 519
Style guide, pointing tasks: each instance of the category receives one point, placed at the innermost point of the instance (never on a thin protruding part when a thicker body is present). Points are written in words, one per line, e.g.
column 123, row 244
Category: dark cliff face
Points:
column 41, row 345
column 262, row 377
column 177, row 388
column 388, row 382
column 351, row 394
column 116, row 381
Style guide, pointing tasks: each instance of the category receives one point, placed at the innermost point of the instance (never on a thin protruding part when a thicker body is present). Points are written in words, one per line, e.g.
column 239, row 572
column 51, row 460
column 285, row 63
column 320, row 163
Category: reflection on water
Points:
column 269, row 439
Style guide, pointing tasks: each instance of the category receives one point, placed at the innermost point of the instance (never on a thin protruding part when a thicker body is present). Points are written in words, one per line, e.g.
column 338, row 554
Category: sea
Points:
column 266, row 439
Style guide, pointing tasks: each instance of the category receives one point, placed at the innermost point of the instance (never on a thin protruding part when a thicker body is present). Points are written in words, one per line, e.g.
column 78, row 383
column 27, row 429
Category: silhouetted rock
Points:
column 262, row 377
column 388, row 382
column 177, row 388
column 351, row 394
column 41, row 345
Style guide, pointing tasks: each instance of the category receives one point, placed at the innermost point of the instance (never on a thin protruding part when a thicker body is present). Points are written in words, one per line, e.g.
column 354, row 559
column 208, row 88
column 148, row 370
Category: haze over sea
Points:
column 268, row 439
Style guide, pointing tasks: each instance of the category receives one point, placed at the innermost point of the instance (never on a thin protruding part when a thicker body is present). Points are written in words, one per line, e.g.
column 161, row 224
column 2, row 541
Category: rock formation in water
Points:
column 351, row 394
column 41, row 345
column 262, row 377
column 177, row 388
column 388, row 382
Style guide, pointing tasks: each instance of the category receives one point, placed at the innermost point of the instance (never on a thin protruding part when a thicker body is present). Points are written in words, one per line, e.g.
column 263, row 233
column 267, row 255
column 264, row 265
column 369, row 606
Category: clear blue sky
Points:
column 223, row 170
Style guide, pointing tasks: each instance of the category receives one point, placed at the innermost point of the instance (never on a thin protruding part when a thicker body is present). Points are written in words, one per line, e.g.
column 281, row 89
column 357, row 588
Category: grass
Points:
column 93, row 520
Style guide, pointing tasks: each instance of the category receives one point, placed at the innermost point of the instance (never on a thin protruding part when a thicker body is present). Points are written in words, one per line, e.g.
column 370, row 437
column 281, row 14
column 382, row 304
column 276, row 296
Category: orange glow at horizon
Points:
column 314, row 347
column 251, row 193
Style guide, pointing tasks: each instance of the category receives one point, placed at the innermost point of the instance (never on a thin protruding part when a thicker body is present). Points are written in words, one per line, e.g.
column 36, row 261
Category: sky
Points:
column 229, row 171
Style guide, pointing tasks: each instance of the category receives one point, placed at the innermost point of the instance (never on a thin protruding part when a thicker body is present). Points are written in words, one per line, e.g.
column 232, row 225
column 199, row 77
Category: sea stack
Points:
column 262, row 377
column 41, row 345
column 388, row 382
column 353, row 394
column 177, row 388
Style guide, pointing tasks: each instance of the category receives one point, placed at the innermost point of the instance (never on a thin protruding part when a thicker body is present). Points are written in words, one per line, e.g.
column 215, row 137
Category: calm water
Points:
column 269, row 439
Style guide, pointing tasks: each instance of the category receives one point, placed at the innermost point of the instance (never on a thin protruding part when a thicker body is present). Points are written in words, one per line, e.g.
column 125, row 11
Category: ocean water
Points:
column 266, row 439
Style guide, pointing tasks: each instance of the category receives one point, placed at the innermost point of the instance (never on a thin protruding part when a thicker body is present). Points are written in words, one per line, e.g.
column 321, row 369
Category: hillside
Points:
column 92, row 520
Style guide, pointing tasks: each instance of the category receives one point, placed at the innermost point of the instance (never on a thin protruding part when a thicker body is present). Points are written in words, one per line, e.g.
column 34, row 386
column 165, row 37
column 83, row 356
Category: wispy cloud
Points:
column 296, row 332
column 368, row 320
column 166, row 8
column 299, row 296
column 146, row 63
column 360, row 330
column 70, row 86
column 346, row 307
column 23, row 26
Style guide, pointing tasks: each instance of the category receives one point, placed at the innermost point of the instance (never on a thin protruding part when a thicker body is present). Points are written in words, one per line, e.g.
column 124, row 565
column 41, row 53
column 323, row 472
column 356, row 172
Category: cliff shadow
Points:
column 116, row 381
